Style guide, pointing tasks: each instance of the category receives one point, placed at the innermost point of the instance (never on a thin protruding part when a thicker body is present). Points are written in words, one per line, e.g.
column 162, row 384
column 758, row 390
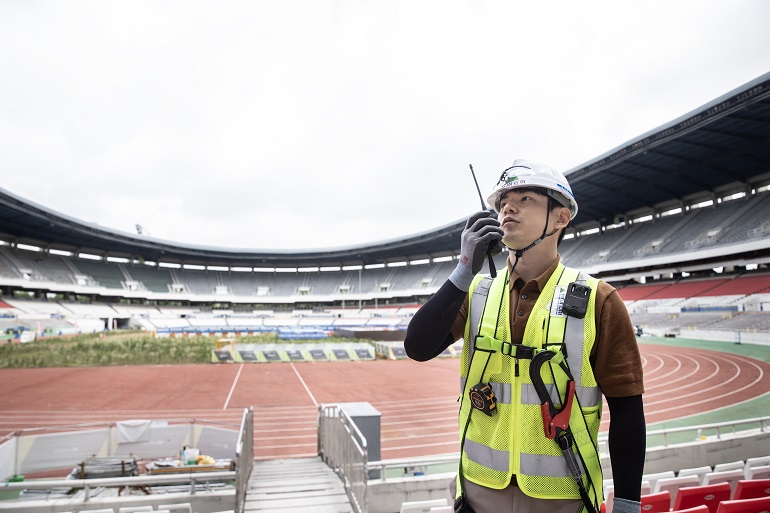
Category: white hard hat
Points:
column 524, row 173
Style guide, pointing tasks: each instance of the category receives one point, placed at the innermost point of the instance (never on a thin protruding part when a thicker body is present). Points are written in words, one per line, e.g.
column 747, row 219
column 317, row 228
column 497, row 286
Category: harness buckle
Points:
column 524, row 352
column 519, row 351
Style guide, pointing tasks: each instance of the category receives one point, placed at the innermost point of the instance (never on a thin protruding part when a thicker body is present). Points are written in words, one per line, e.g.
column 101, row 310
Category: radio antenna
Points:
column 492, row 270
column 481, row 198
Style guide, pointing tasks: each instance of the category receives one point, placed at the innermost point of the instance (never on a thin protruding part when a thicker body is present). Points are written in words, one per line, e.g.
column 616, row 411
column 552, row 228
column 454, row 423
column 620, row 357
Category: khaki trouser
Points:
column 511, row 500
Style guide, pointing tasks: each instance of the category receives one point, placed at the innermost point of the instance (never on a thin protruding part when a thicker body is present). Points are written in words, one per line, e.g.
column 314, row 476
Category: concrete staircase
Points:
column 295, row 485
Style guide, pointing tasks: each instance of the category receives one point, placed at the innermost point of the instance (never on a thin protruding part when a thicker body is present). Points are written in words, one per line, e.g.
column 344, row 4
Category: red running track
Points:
column 417, row 400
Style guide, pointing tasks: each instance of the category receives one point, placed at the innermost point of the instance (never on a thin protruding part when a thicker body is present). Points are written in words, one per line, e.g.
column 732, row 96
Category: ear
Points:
column 563, row 217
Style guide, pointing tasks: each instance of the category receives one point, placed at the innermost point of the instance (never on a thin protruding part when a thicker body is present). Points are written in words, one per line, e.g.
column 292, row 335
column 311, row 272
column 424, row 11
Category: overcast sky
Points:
column 321, row 124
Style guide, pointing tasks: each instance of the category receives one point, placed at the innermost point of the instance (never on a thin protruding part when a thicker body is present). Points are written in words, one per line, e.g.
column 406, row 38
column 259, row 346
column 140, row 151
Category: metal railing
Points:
column 142, row 482
column 658, row 438
column 244, row 459
column 342, row 446
column 416, row 465
column 244, row 454
column 687, row 434
column 101, row 439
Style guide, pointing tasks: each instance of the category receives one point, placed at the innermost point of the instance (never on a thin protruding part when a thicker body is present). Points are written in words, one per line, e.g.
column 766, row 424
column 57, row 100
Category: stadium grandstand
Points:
column 677, row 219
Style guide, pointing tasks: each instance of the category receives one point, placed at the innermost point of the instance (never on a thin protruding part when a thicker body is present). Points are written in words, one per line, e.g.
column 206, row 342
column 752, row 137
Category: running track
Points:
column 417, row 400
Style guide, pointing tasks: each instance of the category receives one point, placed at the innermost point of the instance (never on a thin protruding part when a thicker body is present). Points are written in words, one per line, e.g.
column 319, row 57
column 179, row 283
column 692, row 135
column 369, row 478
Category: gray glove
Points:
column 482, row 232
column 625, row 506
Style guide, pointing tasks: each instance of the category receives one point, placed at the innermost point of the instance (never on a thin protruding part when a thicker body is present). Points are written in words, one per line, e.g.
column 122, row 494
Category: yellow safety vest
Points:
column 513, row 441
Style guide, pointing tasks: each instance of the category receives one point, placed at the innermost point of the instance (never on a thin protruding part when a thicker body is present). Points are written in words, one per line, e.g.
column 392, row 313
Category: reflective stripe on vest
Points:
column 552, row 466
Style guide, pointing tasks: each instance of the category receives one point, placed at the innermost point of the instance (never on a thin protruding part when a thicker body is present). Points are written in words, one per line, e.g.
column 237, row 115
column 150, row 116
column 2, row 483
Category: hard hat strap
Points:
column 519, row 252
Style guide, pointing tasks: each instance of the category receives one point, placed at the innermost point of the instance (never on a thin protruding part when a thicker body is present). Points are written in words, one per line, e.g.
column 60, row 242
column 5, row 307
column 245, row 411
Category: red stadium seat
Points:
column 708, row 495
column 752, row 489
column 759, row 505
column 697, row 509
column 656, row 502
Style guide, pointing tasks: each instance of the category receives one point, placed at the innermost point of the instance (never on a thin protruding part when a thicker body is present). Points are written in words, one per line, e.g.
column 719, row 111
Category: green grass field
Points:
column 123, row 348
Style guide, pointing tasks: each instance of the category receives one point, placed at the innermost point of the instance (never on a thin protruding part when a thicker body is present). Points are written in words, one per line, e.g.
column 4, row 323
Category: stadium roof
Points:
column 717, row 149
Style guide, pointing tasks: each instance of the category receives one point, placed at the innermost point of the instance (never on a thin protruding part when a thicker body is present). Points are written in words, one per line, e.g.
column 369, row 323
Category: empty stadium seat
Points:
column 759, row 505
column 757, row 472
column 653, row 478
column 673, row 484
column 756, row 468
column 708, row 495
column 656, row 502
column 609, row 496
column 695, row 471
column 609, row 493
column 759, row 461
column 733, row 465
column 422, row 506
column 184, row 507
column 730, row 476
column 752, row 489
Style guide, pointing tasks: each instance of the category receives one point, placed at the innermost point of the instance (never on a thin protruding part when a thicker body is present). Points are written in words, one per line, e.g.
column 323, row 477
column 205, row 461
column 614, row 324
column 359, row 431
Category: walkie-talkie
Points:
column 492, row 270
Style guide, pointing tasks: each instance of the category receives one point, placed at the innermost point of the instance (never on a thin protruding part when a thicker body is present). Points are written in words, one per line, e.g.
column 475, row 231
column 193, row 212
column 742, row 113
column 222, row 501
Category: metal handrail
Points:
column 342, row 446
column 764, row 425
column 110, row 424
column 137, row 481
column 443, row 459
column 244, row 455
column 381, row 467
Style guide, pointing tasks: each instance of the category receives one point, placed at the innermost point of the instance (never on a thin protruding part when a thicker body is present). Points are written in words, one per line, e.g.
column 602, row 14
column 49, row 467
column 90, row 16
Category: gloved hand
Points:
column 620, row 505
column 482, row 232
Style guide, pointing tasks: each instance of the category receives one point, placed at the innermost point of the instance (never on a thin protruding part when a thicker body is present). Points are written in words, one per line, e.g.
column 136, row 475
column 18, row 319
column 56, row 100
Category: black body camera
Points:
column 576, row 300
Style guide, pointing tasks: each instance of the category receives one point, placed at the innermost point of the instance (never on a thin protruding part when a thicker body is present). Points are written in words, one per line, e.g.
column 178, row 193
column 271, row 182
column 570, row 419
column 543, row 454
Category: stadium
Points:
column 677, row 219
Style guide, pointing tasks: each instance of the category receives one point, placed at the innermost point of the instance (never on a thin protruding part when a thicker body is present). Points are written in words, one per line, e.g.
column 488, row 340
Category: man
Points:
column 542, row 344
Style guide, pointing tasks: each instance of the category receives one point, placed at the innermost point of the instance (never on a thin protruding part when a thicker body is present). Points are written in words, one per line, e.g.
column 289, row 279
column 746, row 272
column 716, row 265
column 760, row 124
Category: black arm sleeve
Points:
column 430, row 330
column 627, row 444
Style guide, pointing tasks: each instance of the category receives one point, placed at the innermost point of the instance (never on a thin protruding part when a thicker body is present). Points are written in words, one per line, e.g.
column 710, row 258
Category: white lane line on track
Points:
column 706, row 390
column 232, row 388
column 315, row 403
column 652, row 365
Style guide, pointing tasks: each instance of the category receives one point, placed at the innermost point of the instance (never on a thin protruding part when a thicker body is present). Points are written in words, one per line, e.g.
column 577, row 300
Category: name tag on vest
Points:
column 558, row 300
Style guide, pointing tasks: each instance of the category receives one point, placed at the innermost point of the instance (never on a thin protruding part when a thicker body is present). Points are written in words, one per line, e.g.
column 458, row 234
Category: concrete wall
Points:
column 387, row 496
